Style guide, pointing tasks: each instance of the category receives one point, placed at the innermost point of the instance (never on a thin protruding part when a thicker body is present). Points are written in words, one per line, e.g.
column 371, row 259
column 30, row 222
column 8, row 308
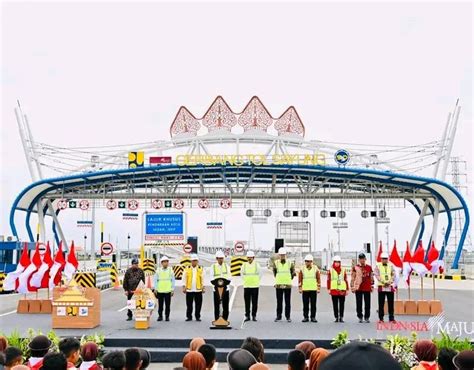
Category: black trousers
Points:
column 129, row 312
column 164, row 299
column 280, row 293
column 195, row 297
column 251, row 297
column 390, row 298
column 309, row 299
column 338, row 305
column 225, row 304
column 366, row 297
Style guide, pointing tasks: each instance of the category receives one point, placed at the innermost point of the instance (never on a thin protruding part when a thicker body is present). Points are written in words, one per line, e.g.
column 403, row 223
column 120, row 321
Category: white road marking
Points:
column 8, row 313
column 123, row 308
column 232, row 297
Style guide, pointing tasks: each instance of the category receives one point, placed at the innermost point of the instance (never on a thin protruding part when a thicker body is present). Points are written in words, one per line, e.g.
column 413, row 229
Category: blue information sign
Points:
column 164, row 224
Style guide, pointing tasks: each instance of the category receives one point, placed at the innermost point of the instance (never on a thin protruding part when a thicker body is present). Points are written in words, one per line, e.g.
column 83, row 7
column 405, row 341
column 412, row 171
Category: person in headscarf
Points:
column 306, row 347
column 196, row 343
column 89, row 353
column 426, row 352
column 194, row 360
column 338, row 288
column 317, row 355
column 259, row 366
column 240, row 359
column 464, row 360
column 3, row 343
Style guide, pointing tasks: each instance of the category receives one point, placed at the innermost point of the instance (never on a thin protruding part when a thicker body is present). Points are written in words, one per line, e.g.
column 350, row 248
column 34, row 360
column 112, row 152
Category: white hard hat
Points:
column 282, row 251
column 164, row 258
column 250, row 254
column 220, row 254
column 384, row 255
column 194, row 257
column 336, row 259
column 308, row 257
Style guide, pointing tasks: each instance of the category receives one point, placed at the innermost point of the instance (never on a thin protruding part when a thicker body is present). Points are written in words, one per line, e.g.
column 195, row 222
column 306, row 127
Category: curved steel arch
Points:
column 284, row 171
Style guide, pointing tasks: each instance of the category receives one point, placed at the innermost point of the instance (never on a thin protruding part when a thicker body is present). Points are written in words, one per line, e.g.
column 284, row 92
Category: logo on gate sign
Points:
column 62, row 204
column 84, row 205
column 239, row 247
column 178, row 203
column 225, row 203
column 203, row 203
column 157, row 203
column 106, row 248
column 132, row 204
column 111, row 204
column 342, row 157
column 187, row 248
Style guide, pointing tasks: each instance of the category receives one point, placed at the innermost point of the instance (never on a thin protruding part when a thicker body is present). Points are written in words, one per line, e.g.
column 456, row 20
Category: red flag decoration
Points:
column 407, row 269
column 40, row 278
column 71, row 265
column 24, row 279
column 11, row 281
column 437, row 265
column 379, row 254
column 57, row 267
column 418, row 261
column 395, row 257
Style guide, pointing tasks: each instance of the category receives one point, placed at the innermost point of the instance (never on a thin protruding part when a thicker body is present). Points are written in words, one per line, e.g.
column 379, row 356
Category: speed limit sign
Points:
column 203, row 203
column 187, row 248
column 62, row 204
column 157, row 203
column 111, row 204
column 225, row 203
column 178, row 203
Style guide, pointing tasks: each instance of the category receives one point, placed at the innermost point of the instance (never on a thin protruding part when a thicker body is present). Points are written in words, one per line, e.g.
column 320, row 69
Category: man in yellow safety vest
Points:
column 193, row 287
column 309, row 283
column 250, row 272
column 385, row 275
column 165, row 283
column 221, row 270
column 284, row 273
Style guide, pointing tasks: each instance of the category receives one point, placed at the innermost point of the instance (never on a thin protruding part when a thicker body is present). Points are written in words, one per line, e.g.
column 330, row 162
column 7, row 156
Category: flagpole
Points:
column 434, row 288
column 421, row 287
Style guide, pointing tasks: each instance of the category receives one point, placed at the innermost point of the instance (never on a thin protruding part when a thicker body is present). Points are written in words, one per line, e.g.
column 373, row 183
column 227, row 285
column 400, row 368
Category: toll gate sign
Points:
column 164, row 226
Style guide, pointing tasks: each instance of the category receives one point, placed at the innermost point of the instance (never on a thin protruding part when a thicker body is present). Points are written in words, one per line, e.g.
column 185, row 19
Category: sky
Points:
column 103, row 73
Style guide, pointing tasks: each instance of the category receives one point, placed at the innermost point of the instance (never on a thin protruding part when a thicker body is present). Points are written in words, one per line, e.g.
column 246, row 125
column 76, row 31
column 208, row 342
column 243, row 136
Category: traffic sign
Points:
column 106, row 248
column 133, row 204
column 41, row 249
column 187, row 248
column 62, row 204
column 84, row 205
column 178, row 203
column 157, row 203
column 225, row 203
column 239, row 247
column 203, row 203
column 111, row 204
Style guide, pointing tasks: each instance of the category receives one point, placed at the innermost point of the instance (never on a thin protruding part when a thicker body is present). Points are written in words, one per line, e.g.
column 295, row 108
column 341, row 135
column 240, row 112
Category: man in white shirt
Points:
column 193, row 287
column 221, row 270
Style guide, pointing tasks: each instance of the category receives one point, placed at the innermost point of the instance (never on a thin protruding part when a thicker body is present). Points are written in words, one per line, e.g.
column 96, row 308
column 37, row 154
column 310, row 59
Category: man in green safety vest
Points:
column 284, row 273
column 385, row 275
column 165, row 283
column 309, row 283
column 220, row 270
column 250, row 272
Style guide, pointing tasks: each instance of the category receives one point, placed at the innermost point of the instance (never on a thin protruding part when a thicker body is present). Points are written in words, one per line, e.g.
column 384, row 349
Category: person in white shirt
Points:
column 221, row 270
column 193, row 287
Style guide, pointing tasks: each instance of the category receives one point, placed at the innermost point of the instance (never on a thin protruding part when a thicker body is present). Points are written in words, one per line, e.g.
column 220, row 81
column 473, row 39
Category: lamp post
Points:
column 85, row 250
column 128, row 248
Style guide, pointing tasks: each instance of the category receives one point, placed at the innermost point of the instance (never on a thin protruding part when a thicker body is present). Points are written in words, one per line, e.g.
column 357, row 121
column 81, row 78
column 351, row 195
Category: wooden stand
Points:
column 46, row 306
column 411, row 307
column 424, row 307
column 399, row 307
column 23, row 306
column 436, row 307
column 34, row 306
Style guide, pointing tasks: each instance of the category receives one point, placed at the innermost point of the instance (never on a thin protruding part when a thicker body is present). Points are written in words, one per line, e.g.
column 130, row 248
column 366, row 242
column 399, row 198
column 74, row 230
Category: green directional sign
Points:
column 168, row 203
column 122, row 204
column 72, row 204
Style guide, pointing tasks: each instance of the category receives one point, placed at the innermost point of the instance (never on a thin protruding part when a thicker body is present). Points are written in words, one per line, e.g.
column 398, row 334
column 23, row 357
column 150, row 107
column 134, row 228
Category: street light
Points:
column 85, row 250
column 128, row 247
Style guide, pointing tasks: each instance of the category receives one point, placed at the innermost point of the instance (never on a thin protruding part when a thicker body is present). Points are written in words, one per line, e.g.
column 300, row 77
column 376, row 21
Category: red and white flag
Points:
column 379, row 253
column 57, row 267
column 407, row 269
column 24, row 279
column 396, row 262
column 40, row 278
column 11, row 280
column 71, row 265
column 418, row 261
column 437, row 265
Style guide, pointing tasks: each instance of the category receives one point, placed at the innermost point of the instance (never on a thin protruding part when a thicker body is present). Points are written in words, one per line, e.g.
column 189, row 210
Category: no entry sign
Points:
column 187, row 248
column 239, row 247
column 106, row 249
column 41, row 248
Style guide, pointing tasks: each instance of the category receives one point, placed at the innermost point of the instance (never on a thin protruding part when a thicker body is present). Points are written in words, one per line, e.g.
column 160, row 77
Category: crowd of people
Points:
column 71, row 355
